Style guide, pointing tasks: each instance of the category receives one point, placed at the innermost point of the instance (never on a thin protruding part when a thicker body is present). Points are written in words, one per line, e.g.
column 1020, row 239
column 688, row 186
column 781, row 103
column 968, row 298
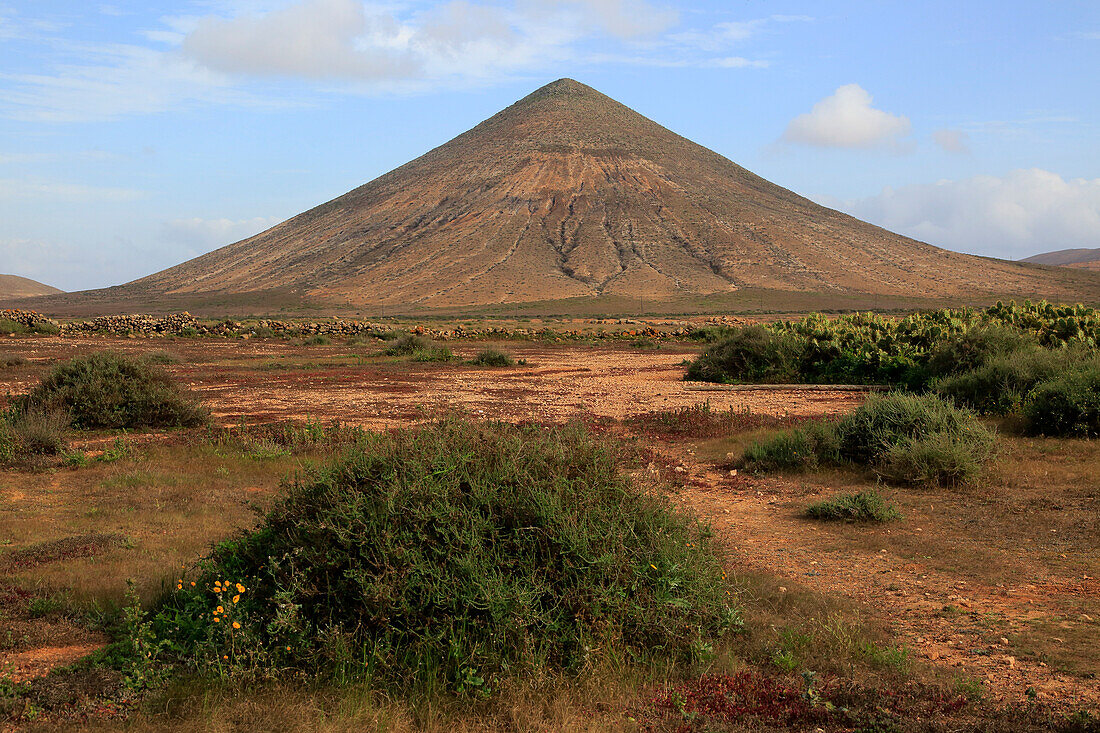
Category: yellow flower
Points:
column 217, row 620
column 219, row 609
column 240, row 588
column 653, row 566
column 192, row 584
column 179, row 586
column 236, row 598
column 236, row 625
column 225, row 656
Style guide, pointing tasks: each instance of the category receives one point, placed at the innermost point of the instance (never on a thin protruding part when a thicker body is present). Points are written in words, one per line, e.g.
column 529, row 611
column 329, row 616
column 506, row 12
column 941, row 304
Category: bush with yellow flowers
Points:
column 451, row 555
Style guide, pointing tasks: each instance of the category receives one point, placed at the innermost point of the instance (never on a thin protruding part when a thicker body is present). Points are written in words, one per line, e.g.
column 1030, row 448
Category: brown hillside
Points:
column 13, row 286
column 568, row 193
column 1084, row 259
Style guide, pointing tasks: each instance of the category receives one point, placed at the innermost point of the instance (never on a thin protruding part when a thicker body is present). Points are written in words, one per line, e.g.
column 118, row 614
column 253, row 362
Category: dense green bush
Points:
column 902, row 437
column 452, row 554
column 866, row 506
column 999, row 386
column 1066, row 406
column 886, row 421
column 492, row 358
column 752, row 354
column 972, row 349
column 908, row 352
column 111, row 390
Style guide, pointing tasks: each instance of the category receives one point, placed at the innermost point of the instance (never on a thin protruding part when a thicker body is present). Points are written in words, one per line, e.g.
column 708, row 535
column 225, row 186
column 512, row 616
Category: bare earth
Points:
column 951, row 617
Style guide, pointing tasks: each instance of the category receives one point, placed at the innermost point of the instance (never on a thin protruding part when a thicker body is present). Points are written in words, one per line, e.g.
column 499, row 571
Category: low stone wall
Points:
column 184, row 324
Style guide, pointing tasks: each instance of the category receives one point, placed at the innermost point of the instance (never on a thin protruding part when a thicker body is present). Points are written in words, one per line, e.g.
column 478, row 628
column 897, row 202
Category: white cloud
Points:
column 234, row 53
column 115, row 80
column 344, row 39
column 952, row 141
column 68, row 266
column 846, row 119
column 11, row 188
column 735, row 62
column 198, row 236
column 1015, row 216
column 620, row 18
column 314, row 39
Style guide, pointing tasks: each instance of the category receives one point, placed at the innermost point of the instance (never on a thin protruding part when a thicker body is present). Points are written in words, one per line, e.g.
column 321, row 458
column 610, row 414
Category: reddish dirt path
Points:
column 558, row 382
column 760, row 520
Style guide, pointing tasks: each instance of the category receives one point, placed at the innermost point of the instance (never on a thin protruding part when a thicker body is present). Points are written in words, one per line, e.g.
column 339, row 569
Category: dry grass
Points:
column 167, row 501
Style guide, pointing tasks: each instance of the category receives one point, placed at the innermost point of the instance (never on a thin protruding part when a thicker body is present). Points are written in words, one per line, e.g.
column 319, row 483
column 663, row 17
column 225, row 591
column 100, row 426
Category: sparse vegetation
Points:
column 905, row 438
column 11, row 360
column 407, row 345
column 865, row 506
column 26, row 432
column 110, row 390
column 452, row 556
column 492, row 358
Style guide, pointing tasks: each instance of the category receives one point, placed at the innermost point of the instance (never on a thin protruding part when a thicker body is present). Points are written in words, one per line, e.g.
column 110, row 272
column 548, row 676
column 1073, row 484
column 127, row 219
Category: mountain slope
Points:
column 1085, row 259
column 13, row 286
column 568, row 193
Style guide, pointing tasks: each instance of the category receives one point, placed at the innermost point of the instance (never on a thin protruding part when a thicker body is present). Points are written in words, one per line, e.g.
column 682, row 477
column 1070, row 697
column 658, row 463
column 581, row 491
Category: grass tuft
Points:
column 866, row 506
column 492, row 358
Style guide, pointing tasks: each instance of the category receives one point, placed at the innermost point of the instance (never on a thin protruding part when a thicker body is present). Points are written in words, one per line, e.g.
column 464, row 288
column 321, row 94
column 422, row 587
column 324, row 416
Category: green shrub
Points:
column 974, row 348
column 110, row 390
column 885, row 421
column 407, row 345
column 940, row 458
column 451, row 555
column 999, row 386
column 11, row 360
column 866, row 506
column 433, row 353
column 810, row 446
column 318, row 340
column 902, row 437
column 752, row 354
column 644, row 342
column 492, row 358
column 1066, row 406
column 45, row 328
column 9, row 326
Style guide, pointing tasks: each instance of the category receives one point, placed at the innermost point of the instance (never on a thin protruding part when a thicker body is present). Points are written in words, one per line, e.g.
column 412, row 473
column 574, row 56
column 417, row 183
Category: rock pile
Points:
column 30, row 319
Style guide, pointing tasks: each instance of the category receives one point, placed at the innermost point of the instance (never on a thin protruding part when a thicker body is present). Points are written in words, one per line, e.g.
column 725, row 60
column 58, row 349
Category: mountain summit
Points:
column 568, row 193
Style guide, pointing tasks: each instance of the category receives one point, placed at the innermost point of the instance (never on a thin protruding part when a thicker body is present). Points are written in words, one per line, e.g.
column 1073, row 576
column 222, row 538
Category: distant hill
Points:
column 568, row 194
column 13, row 286
column 1084, row 259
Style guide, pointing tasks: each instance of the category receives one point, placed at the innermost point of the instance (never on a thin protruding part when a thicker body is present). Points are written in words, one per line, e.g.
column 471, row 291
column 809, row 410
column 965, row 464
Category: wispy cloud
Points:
column 234, row 52
column 1014, row 216
column 13, row 188
column 952, row 141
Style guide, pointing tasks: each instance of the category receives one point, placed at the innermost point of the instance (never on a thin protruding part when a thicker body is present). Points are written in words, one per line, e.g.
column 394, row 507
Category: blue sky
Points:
column 135, row 135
